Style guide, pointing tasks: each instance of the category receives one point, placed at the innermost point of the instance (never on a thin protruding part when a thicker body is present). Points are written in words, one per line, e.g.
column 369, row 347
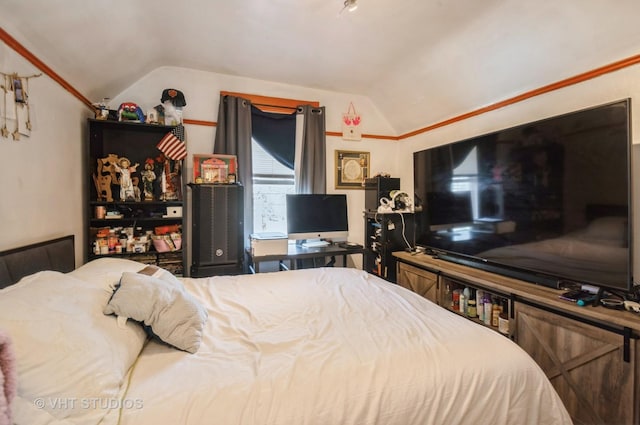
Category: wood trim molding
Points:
column 276, row 104
column 21, row 50
column 200, row 122
column 615, row 66
column 364, row 136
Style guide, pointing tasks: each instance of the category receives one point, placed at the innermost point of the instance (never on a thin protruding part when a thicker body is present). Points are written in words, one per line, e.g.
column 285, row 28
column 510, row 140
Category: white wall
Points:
column 41, row 175
column 611, row 87
column 202, row 93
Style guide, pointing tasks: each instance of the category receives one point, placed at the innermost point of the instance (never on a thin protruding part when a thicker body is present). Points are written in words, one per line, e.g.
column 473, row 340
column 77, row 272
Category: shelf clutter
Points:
column 119, row 240
column 135, row 207
column 481, row 306
column 384, row 234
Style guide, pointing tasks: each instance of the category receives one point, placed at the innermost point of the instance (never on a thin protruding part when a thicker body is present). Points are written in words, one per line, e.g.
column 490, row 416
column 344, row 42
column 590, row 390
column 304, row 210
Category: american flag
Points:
column 172, row 146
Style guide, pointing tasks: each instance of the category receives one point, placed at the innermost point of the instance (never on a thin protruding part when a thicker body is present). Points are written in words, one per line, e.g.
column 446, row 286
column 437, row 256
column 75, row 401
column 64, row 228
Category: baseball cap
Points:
column 175, row 96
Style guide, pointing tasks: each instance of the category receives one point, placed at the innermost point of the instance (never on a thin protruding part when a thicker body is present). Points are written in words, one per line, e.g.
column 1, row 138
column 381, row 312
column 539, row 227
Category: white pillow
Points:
column 163, row 304
column 68, row 352
column 106, row 271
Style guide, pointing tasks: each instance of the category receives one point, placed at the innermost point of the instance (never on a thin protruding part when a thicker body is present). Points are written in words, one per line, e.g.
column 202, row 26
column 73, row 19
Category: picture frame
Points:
column 352, row 168
column 19, row 94
column 214, row 169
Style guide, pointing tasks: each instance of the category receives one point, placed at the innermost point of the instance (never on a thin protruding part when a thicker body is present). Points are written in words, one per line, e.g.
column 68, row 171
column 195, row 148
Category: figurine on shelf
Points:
column 155, row 115
column 129, row 111
column 105, row 176
column 103, row 187
column 176, row 179
column 128, row 191
column 173, row 101
column 148, row 177
column 167, row 179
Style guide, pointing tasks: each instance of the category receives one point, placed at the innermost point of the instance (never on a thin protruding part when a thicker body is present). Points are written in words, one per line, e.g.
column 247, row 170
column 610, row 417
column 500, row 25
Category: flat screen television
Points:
column 547, row 202
column 317, row 216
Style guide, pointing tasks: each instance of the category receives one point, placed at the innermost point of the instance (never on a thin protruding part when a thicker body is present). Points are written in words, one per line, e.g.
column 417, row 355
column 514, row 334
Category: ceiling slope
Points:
column 419, row 61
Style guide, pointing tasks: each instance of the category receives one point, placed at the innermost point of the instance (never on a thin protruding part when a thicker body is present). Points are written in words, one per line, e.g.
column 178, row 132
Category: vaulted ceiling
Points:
column 419, row 61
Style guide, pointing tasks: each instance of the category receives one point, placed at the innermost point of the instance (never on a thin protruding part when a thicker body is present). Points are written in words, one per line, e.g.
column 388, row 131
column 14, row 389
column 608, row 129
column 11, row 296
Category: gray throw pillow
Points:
column 163, row 304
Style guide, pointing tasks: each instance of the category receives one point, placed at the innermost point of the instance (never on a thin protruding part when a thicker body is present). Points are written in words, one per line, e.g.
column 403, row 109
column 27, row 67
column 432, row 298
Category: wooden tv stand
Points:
column 590, row 354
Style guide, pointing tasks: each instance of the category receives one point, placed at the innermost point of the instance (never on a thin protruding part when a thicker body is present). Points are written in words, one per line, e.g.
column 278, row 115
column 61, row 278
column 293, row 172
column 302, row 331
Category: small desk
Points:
column 297, row 252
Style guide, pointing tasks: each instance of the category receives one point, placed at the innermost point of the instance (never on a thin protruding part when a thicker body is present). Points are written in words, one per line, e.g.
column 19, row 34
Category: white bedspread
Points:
column 332, row 347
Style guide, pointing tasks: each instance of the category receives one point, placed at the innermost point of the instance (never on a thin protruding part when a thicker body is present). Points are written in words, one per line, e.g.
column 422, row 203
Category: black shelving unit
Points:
column 103, row 212
column 384, row 234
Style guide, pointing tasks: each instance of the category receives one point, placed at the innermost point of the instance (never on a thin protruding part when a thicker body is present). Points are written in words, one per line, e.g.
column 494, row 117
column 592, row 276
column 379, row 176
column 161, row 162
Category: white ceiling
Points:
column 419, row 61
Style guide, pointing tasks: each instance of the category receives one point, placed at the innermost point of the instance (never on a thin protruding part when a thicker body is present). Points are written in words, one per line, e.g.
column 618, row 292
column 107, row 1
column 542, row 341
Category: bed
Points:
column 312, row 346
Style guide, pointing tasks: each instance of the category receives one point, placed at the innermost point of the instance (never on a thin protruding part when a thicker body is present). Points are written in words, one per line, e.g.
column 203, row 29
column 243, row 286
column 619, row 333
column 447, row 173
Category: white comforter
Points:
column 335, row 346
column 320, row 346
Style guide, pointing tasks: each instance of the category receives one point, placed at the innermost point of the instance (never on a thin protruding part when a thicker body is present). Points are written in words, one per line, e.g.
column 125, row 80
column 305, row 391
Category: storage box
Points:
column 173, row 212
column 270, row 243
column 167, row 243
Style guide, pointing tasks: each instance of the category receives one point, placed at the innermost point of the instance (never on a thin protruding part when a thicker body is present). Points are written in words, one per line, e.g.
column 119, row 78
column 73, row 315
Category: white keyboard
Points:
column 315, row 244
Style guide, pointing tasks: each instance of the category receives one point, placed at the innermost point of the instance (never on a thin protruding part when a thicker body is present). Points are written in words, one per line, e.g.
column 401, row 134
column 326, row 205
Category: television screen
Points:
column 313, row 216
column 547, row 202
column 454, row 209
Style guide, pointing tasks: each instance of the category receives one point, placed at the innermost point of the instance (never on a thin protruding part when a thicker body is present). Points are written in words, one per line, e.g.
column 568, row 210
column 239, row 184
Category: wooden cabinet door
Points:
column 420, row 281
column 583, row 362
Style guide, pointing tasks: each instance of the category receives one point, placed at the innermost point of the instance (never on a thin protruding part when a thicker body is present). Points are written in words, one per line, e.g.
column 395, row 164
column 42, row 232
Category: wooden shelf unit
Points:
column 591, row 355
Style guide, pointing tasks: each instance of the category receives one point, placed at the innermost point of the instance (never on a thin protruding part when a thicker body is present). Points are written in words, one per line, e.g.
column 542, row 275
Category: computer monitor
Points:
column 317, row 216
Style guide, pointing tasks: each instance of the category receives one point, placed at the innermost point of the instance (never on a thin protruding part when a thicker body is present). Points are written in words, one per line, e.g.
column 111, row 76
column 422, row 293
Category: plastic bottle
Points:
column 495, row 313
column 462, row 303
column 455, row 303
column 480, row 304
column 488, row 309
column 448, row 296
column 471, row 309
column 467, row 297
column 503, row 319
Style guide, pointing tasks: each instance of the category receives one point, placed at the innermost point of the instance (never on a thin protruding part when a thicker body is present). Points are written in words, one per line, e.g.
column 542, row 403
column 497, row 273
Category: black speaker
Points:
column 376, row 188
column 217, row 229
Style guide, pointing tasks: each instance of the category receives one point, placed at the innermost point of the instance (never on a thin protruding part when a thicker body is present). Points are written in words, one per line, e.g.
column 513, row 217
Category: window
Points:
column 271, row 182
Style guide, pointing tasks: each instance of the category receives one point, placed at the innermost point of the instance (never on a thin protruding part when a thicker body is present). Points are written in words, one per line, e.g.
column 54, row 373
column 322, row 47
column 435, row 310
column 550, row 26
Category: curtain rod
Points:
column 293, row 108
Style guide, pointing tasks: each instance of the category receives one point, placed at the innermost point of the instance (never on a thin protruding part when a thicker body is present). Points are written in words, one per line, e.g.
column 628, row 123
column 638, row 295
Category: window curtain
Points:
column 233, row 137
column 310, row 150
column 275, row 133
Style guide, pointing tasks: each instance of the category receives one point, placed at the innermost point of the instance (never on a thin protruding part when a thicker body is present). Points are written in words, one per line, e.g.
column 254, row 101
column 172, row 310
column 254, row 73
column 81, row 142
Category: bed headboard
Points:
column 56, row 254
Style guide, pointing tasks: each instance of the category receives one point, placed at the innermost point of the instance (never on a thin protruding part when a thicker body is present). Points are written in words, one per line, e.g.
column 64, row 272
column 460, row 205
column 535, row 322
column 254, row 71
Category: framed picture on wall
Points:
column 352, row 168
